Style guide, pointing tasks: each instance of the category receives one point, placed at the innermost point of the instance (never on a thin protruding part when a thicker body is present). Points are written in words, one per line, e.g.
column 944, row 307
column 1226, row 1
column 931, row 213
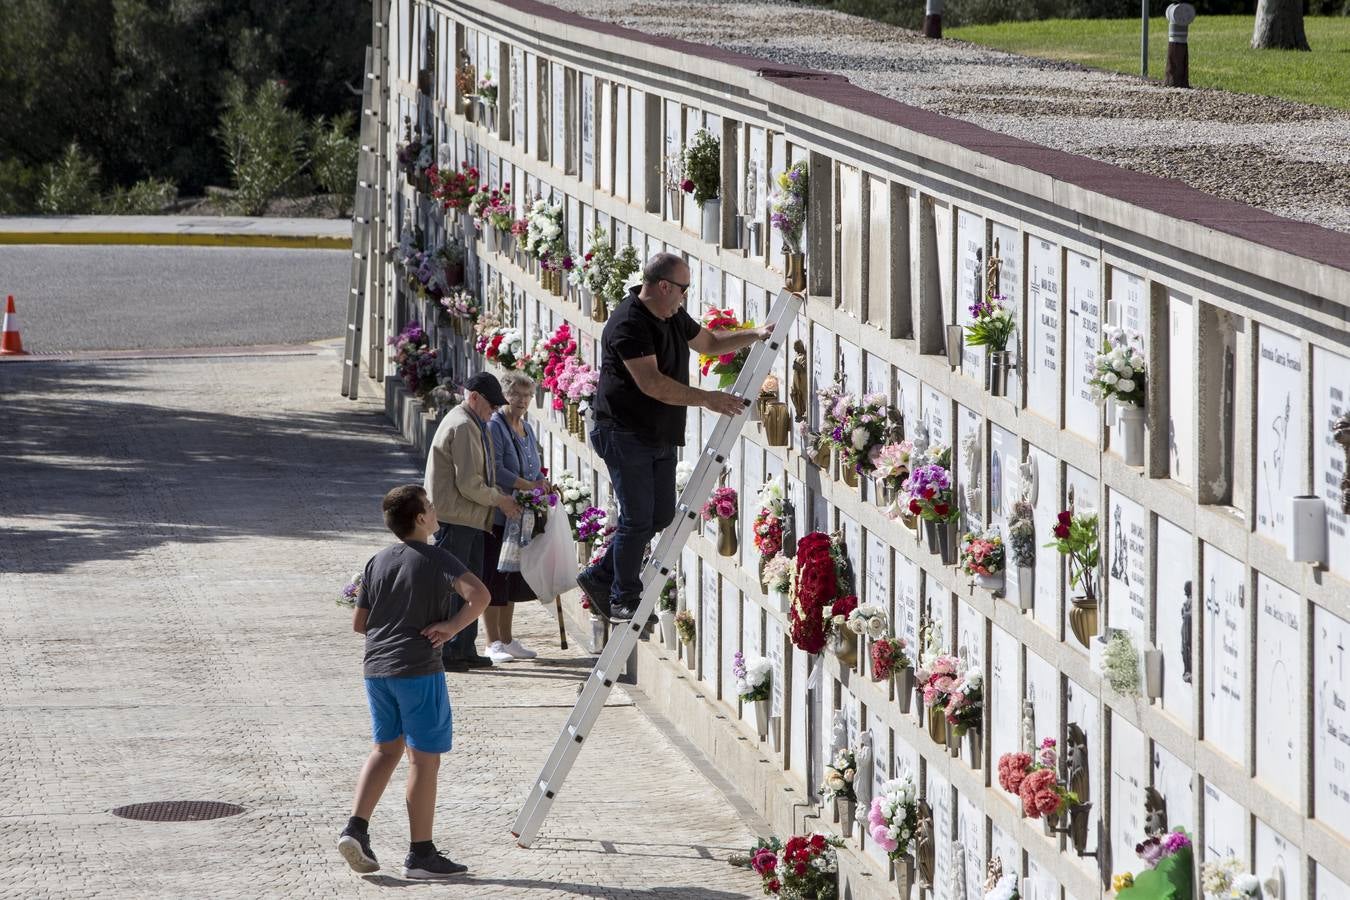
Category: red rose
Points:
column 914, row 507
column 1064, row 518
column 773, row 885
column 1061, row 531
column 818, row 841
column 941, row 508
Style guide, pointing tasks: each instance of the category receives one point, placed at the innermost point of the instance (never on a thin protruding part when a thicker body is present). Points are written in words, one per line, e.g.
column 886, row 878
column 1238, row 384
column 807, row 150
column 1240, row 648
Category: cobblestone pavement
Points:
column 171, row 536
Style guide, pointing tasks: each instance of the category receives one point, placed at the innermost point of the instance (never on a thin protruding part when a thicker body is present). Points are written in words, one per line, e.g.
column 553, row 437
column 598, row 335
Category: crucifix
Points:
column 993, row 268
column 1340, row 433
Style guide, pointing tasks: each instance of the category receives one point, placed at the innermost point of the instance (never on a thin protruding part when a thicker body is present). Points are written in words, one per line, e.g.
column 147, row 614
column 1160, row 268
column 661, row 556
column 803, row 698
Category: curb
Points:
column 93, row 238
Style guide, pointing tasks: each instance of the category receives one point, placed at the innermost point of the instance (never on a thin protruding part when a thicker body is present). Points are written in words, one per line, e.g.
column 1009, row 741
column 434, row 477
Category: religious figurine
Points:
column 993, row 874
column 923, row 845
column 920, row 441
column 845, row 564
column 1029, row 743
column 958, row 870
column 839, row 732
column 862, row 780
column 992, row 270
column 1155, row 813
column 970, row 449
column 789, row 525
column 1186, row 632
column 800, row 380
column 1340, row 433
column 1076, row 763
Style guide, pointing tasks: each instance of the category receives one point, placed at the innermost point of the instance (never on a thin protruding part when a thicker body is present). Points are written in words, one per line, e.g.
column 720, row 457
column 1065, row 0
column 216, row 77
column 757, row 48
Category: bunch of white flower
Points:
column 868, row 619
column 683, row 469
column 771, row 496
column 1005, row 889
column 758, row 671
column 1120, row 368
column 543, row 228
column 575, row 495
column 1225, row 878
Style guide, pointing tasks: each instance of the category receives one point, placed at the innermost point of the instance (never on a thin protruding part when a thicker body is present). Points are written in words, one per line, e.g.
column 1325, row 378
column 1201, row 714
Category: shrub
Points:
column 333, row 157
column 71, row 187
column 147, row 197
column 19, row 187
column 263, row 143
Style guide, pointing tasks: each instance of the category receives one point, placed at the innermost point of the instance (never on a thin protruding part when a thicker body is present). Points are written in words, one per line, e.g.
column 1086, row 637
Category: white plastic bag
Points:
column 549, row 562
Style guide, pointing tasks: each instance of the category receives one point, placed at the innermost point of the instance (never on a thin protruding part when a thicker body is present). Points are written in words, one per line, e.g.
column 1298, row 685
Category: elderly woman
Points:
column 519, row 467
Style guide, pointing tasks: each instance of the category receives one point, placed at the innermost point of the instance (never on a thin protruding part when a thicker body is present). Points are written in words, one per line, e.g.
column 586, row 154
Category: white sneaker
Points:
column 498, row 653
column 518, row 650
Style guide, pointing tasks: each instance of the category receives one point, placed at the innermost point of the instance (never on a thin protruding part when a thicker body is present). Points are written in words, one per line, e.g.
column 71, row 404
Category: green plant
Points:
column 333, row 156
column 147, row 197
column 702, row 165
column 1076, row 538
column 19, row 187
column 1120, row 664
column 263, row 143
column 71, row 186
column 624, row 266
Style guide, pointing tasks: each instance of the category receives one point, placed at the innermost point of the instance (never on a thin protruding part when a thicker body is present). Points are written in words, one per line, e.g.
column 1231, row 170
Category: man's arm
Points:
column 359, row 620
column 666, row 389
column 718, row 343
column 476, row 598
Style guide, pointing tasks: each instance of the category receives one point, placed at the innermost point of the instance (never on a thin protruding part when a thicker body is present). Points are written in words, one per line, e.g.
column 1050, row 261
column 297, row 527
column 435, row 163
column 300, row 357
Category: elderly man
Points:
column 639, row 419
column 461, row 483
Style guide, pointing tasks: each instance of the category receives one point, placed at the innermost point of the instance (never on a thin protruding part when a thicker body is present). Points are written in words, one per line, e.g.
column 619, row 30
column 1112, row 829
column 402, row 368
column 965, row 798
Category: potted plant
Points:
column 753, row 675
column 893, row 821
column 1076, row 538
column 982, row 557
column 665, row 612
column 723, row 507
column 787, row 214
column 990, row 327
column 889, row 660
column 840, row 774
column 1119, row 376
column 701, row 163
column 1022, row 540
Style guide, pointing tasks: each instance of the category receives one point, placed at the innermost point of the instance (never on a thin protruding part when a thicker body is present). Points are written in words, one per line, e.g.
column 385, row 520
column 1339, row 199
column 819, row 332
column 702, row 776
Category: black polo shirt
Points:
column 631, row 333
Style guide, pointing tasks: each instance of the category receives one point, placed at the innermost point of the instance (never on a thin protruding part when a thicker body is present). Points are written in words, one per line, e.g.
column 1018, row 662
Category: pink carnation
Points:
column 1012, row 769
column 1039, row 794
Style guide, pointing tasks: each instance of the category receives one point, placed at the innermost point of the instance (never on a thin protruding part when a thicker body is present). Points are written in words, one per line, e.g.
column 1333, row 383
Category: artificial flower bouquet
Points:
column 487, row 87
column 930, row 495
column 1035, row 782
column 626, row 264
column 592, row 270
column 787, row 206
column 837, row 625
column 937, row 677
column 684, row 626
column 456, row 188
column 727, row 367
column 670, row 596
column 1022, row 535
column 965, row 701
column 499, row 211
column 506, row 348
column 415, row 359
column 1119, row 370
column 891, row 465
column 839, row 777
column 768, row 524
column 868, row 620
column 411, row 151
column 777, row 574
column 983, row 554
column 1076, row 538
column 805, row 868
column 991, row 324
column 590, row 524
column 893, row 818
column 889, row 657
column 544, row 237
column 752, row 676
column 722, row 505
column 351, row 591
column 862, row 431
column 817, row 587
column 555, row 351
column 575, row 497
column 1171, row 870
column 582, row 385
column 1227, row 878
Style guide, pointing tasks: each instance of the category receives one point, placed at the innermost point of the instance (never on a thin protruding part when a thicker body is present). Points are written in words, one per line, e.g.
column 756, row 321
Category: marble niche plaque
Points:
column 637, row 148
column 1331, row 721
column 1044, row 360
column 936, row 414
column 1009, row 243
column 1331, row 400
column 851, row 367
column 1174, row 780
column 1081, row 413
column 588, row 137
column 1043, row 694
column 906, row 614
column 1279, row 686
column 1225, row 825
column 1280, row 430
column 1082, row 708
column 1128, row 778
column 1049, row 564
column 1224, row 633
column 881, row 758
column 969, row 465
column 878, row 586
column 558, row 115
column 1181, row 387
column 824, row 366
column 1178, row 611
column 939, row 795
column 970, row 832
column 1126, row 567
column 1329, row 887
column 529, row 105
column 970, row 634
column 707, row 625
column 729, row 639
column 774, row 651
column 1276, row 857
column 622, row 135
column 1129, row 302
column 605, row 94
column 1004, row 695
column 969, row 279
column 851, row 236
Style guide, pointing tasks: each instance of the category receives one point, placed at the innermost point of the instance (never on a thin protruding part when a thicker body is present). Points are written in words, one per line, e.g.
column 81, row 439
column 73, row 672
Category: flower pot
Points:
column 490, row 239
column 538, row 396
column 784, row 602
column 885, row 495
column 599, row 310
column 712, row 221
column 674, row 202
column 597, row 634
column 845, row 810
column 754, row 238
column 937, row 724
column 930, row 535
column 776, row 733
column 1153, row 673
column 761, row 717
column 904, row 876
column 454, row 275
column 573, row 416
column 1050, row 823
column 904, row 689
column 584, row 555
column 845, row 648
column 585, row 296
column 666, row 620
column 954, row 742
column 1307, row 529
column 777, row 423
column 972, row 748
column 1078, row 826
column 848, row 474
column 506, row 243
column 991, row 583
column 1083, row 619
column 946, row 539
column 794, row 273
column 466, row 227
column 726, row 536
column 1131, row 429
column 1026, row 587
column 820, row 455
column 997, row 365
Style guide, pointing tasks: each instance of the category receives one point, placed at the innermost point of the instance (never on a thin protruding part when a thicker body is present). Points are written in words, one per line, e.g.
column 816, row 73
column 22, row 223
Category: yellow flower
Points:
column 783, row 181
column 1122, row 881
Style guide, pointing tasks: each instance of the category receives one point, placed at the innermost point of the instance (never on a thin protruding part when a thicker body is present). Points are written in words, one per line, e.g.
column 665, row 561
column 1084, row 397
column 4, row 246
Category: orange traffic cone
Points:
column 10, row 342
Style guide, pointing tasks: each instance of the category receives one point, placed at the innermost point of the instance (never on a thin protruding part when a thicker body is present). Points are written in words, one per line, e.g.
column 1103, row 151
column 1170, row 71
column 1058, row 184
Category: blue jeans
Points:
column 643, row 478
column 465, row 543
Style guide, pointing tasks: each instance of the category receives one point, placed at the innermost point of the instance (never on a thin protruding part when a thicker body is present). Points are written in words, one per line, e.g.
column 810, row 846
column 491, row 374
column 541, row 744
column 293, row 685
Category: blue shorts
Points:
column 417, row 708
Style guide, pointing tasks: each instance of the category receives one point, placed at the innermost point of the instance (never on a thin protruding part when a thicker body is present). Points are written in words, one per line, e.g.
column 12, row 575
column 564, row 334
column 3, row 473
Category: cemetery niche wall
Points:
column 1201, row 477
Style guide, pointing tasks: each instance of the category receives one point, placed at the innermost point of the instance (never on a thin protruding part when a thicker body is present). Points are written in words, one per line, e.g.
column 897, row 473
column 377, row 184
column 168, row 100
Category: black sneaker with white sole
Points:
column 431, row 867
column 624, row 610
column 355, row 849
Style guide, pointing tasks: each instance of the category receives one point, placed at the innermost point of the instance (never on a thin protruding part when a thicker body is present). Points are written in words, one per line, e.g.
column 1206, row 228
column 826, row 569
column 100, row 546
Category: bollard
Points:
column 1178, row 71
column 932, row 19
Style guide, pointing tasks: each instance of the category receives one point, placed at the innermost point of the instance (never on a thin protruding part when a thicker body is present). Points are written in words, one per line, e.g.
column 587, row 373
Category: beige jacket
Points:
column 458, row 477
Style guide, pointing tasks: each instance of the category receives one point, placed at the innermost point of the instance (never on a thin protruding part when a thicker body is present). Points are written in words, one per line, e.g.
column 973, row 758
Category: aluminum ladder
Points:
column 623, row 640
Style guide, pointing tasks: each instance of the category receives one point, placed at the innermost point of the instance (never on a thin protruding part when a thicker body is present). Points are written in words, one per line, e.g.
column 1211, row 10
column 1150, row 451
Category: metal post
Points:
column 1143, row 40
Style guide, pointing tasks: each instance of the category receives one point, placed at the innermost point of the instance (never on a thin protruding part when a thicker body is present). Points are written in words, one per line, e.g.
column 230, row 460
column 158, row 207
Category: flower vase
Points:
column 1131, row 429
column 794, row 273
column 776, row 733
column 1050, row 822
column 946, row 538
column 972, row 748
column 466, row 227
column 991, row 583
column 763, row 588
column 761, row 717
column 597, row 634
column 1153, row 673
column 539, row 396
column 937, row 724
column 583, row 553
column 930, row 535
column 555, row 285
column 712, row 221
column 573, row 416
column 490, row 239
column 674, row 202
column 1083, row 619
column 954, row 742
column 1026, row 587
column 506, row 243
column 998, row 364
column 754, row 239
column 845, row 648
column 904, row 876
column 845, row 810
column 666, row 619
column 849, row 474
column 904, row 689
column 584, row 296
column 726, row 536
column 777, row 423
column 885, row 495
column 820, row 455
column 599, row 310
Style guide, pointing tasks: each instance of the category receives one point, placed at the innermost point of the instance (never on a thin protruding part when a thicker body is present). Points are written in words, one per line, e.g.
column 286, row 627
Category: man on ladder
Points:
column 640, row 407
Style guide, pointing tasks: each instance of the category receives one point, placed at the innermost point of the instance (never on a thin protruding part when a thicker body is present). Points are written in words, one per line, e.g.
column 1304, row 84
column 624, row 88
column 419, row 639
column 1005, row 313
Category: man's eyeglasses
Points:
column 684, row 288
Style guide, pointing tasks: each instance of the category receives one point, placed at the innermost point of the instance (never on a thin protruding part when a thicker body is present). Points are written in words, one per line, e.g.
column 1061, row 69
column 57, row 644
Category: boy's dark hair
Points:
column 402, row 506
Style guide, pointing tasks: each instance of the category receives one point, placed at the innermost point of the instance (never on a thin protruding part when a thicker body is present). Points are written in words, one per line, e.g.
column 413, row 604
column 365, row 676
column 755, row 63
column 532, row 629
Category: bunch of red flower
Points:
column 494, row 345
column 804, row 867
column 556, row 350
column 1036, row 785
column 817, row 588
column 768, row 530
column 456, row 189
column 888, row 657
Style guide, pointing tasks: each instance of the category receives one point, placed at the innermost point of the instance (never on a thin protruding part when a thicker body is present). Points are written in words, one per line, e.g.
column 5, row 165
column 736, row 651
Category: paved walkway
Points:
column 172, row 533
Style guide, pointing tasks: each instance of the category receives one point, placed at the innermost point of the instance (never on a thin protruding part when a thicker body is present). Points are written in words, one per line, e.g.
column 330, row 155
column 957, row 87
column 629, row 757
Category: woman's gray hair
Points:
column 661, row 267
column 516, row 381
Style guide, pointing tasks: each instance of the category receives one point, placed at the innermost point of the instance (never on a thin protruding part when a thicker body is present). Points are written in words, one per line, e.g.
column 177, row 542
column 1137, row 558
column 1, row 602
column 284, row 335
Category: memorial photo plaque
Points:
column 1331, row 400
column 1125, row 537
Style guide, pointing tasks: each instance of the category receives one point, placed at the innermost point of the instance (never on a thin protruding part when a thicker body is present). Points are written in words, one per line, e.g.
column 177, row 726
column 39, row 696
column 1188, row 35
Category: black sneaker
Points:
column 355, row 849
column 464, row 665
column 597, row 590
column 431, row 867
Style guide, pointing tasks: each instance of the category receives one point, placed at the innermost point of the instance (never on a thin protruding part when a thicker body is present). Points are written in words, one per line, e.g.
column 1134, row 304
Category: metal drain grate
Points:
column 178, row 811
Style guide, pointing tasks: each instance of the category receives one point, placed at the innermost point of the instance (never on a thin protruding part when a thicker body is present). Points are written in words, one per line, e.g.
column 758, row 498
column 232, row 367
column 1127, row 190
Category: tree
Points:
column 1279, row 26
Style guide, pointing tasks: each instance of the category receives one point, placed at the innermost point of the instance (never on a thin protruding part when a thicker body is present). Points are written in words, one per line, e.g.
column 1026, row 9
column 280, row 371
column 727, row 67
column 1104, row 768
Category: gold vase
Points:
column 847, row 472
column 726, row 536
column 820, row 455
column 599, row 309
column 573, row 414
column 794, row 272
column 1083, row 619
column 555, row 286
column 777, row 422
column 845, row 648
column 937, row 724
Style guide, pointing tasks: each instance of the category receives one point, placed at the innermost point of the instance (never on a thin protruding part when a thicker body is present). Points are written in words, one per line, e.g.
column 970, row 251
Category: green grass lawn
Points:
column 1220, row 56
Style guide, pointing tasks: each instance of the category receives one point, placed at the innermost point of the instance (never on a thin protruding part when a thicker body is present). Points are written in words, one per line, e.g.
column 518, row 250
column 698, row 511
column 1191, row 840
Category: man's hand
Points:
column 723, row 403
column 542, row 485
column 764, row 333
column 508, row 505
column 438, row 633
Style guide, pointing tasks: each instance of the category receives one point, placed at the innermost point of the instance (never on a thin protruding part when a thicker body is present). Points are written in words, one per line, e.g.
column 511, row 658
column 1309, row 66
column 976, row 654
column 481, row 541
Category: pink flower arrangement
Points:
column 982, row 554
column 583, row 384
column 1040, row 794
column 888, row 657
column 722, row 505
column 1012, row 769
column 937, row 680
column 1034, row 782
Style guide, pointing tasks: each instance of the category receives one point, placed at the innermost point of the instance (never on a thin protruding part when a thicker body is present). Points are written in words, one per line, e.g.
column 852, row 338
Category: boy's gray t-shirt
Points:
column 406, row 587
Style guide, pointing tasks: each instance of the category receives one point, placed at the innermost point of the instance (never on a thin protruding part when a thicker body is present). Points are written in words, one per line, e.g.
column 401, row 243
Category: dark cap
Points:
column 486, row 383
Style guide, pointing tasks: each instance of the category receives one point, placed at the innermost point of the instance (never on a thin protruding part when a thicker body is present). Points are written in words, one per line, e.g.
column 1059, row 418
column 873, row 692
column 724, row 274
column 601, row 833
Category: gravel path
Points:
column 1288, row 158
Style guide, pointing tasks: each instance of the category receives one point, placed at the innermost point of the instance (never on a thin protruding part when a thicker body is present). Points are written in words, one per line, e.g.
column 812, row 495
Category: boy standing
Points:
column 404, row 612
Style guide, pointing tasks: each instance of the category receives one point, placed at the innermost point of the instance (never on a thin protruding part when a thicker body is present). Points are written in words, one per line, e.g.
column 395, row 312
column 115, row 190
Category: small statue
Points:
column 921, row 438
column 923, row 845
column 1155, row 813
column 800, row 380
column 991, row 273
column 862, row 780
column 993, row 874
column 789, row 524
column 1340, row 433
column 1076, row 763
column 839, row 732
column 1029, row 743
column 958, row 872
column 1186, row 635
column 970, row 448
